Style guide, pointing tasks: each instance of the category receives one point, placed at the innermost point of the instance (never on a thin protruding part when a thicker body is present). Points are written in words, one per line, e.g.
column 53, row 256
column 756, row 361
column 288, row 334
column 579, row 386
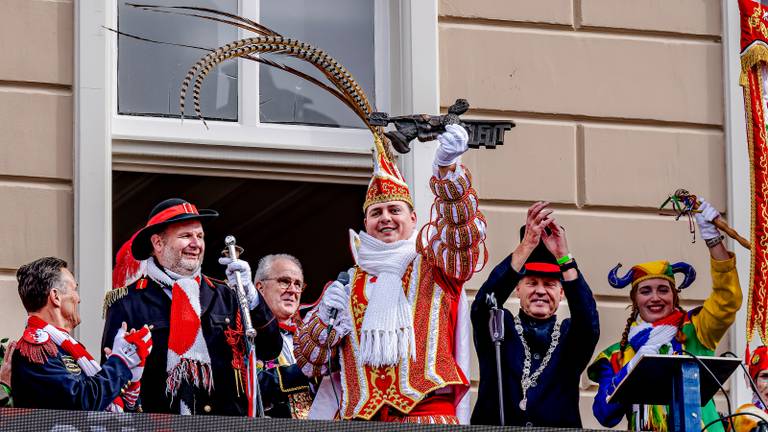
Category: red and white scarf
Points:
column 188, row 359
column 41, row 332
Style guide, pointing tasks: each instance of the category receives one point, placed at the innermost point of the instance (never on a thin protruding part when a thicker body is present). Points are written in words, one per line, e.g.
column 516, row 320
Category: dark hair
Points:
column 36, row 280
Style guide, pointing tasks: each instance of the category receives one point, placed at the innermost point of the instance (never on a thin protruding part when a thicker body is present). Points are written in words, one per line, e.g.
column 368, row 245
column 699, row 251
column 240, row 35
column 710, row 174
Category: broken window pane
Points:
column 342, row 28
column 149, row 75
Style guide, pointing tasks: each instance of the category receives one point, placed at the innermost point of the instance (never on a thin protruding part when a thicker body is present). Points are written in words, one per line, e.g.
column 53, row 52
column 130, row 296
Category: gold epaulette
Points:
column 113, row 296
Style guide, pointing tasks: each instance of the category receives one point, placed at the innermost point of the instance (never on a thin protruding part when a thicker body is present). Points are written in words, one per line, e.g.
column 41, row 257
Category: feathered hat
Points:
column 129, row 262
column 653, row 270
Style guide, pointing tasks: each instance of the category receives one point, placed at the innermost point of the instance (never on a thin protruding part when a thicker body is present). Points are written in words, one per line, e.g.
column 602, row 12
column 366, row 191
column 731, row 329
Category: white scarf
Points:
column 387, row 334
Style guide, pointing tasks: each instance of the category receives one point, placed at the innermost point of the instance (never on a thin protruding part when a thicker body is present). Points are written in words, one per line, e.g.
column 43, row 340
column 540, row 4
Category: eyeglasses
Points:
column 286, row 283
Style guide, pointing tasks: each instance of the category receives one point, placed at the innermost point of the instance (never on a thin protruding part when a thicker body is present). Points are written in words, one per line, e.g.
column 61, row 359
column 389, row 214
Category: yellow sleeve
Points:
column 719, row 309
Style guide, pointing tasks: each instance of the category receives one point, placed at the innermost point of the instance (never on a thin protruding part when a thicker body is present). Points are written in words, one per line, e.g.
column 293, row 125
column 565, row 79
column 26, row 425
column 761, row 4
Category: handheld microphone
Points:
column 343, row 278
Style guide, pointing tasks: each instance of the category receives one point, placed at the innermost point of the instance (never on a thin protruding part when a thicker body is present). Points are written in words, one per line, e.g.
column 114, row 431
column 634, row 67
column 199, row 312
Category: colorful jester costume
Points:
column 697, row 331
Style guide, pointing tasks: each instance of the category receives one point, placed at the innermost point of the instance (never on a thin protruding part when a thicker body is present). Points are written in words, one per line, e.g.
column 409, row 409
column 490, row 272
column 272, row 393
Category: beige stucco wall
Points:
column 617, row 104
column 36, row 122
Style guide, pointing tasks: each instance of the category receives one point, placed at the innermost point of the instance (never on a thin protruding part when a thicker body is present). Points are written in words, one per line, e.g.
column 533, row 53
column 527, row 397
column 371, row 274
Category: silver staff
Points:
column 496, row 326
column 250, row 333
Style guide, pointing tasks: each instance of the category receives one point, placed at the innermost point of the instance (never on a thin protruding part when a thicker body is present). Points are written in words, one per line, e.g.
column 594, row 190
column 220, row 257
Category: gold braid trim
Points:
column 111, row 297
column 756, row 53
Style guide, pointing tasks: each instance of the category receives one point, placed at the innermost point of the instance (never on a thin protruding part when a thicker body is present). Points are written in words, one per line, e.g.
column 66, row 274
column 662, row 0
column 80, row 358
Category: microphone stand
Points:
column 496, row 326
column 255, row 406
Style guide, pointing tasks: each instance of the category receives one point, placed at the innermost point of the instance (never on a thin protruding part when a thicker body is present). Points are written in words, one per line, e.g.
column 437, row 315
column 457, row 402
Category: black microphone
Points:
column 343, row 277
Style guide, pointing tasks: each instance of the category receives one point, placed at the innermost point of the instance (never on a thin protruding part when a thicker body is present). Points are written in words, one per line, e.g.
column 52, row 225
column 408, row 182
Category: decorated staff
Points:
column 542, row 357
column 683, row 203
column 659, row 325
column 198, row 325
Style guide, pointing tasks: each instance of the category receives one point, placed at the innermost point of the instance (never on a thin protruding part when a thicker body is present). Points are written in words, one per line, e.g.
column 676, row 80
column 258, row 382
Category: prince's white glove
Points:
column 453, row 143
column 704, row 220
column 335, row 298
column 245, row 277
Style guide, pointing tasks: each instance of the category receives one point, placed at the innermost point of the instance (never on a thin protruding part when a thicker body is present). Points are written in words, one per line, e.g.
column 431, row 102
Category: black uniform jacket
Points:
column 59, row 383
column 554, row 401
column 147, row 303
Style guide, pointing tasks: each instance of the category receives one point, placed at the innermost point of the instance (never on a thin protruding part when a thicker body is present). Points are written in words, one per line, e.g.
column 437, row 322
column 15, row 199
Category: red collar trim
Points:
column 291, row 328
column 36, row 322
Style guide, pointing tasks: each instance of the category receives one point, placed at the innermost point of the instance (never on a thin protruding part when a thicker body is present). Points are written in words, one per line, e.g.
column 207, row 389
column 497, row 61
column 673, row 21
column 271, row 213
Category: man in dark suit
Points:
column 197, row 366
column 541, row 358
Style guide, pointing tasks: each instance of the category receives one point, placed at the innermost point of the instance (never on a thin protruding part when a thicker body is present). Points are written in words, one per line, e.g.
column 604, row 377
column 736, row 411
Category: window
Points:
column 149, row 75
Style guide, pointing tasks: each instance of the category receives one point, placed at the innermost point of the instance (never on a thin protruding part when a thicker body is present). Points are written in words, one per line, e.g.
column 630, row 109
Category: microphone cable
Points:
column 719, row 384
column 752, row 383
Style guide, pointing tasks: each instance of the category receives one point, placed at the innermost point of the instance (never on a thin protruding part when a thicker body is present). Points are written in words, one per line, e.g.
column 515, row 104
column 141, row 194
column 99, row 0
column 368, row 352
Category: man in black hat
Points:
column 197, row 365
column 541, row 358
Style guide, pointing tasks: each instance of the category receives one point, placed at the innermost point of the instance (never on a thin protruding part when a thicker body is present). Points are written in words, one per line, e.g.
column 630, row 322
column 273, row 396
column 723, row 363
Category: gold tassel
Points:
column 111, row 297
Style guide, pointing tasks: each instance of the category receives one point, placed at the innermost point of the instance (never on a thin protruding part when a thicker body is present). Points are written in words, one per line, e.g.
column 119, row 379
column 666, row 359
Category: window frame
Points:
column 159, row 134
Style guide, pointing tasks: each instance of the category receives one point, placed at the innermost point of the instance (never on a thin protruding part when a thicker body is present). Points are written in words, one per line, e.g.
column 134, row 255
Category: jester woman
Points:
column 659, row 325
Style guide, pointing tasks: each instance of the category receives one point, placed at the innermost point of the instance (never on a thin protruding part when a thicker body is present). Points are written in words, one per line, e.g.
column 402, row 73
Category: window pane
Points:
column 149, row 75
column 342, row 28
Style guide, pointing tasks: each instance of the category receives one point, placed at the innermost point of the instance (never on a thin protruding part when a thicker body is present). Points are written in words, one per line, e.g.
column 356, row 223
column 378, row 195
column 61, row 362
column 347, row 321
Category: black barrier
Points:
column 28, row 420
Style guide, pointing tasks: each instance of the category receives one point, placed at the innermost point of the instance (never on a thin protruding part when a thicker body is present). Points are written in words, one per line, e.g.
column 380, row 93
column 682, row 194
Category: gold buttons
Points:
column 207, row 408
column 226, row 320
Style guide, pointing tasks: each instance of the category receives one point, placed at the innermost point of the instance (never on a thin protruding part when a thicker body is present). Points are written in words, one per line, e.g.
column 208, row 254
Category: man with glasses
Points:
column 286, row 392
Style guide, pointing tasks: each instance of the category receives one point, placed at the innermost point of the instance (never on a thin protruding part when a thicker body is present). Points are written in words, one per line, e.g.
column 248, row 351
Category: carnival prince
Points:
column 402, row 331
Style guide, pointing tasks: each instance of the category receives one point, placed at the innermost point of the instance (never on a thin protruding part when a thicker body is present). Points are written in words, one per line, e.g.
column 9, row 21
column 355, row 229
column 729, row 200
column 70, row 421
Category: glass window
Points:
column 345, row 30
column 149, row 75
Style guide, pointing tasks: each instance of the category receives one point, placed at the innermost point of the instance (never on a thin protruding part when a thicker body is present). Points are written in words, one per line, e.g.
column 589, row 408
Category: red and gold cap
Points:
column 387, row 184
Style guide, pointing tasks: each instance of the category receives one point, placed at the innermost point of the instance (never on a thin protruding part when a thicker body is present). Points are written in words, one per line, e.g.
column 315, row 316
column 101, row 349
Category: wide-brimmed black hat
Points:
column 170, row 211
column 541, row 262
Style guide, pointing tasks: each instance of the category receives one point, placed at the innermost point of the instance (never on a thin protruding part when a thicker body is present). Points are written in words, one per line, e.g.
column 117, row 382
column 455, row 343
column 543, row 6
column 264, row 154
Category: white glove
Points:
column 704, row 220
column 245, row 277
column 453, row 143
column 335, row 298
column 125, row 350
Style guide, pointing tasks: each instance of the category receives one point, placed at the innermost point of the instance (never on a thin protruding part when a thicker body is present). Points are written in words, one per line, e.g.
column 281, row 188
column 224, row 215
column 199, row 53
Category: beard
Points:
column 177, row 263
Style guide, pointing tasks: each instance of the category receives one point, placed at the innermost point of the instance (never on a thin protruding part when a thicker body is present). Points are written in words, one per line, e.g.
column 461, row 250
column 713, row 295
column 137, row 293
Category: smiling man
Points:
column 542, row 357
column 197, row 364
column 400, row 332
column 285, row 390
column 659, row 325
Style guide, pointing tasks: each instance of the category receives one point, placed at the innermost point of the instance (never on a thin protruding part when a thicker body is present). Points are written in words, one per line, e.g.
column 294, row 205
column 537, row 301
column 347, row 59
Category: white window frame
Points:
column 105, row 141
column 155, row 137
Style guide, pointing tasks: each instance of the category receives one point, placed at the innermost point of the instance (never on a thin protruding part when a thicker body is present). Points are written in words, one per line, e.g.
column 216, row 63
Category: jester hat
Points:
column 653, row 270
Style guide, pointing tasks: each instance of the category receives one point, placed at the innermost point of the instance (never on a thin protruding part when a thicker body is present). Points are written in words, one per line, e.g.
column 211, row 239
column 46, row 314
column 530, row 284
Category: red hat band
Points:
column 170, row 212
